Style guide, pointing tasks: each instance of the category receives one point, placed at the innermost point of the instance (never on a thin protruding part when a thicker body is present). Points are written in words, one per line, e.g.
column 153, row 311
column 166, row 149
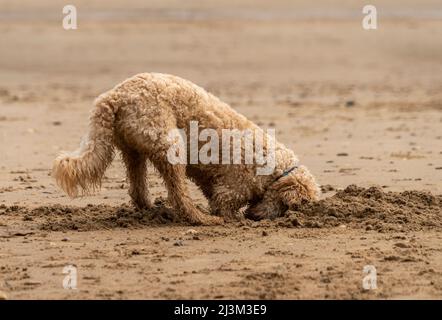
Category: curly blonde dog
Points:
column 137, row 116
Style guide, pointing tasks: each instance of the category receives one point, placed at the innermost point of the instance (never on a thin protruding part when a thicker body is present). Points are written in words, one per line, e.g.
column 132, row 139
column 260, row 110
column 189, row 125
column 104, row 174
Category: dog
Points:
column 137, row 116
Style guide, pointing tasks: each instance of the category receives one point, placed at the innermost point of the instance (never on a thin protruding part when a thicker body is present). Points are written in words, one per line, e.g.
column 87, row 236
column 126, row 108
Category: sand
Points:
column 362, row 109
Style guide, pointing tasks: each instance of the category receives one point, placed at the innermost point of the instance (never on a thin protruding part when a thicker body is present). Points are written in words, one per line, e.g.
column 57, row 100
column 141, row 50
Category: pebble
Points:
column 349, row 103
column 3, row 296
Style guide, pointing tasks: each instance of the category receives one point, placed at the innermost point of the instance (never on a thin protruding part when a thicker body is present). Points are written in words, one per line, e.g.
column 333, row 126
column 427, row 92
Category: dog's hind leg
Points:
column 136, row 166
column 201, row 179
column 226, row 201
column 230, row 194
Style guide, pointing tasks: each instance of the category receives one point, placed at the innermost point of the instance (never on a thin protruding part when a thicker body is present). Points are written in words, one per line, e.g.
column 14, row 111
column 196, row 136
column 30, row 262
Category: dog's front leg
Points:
column 175, row 180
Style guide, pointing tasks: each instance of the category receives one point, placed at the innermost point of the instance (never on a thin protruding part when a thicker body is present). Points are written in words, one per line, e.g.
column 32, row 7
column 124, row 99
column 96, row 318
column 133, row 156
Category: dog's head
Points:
column 296, row 187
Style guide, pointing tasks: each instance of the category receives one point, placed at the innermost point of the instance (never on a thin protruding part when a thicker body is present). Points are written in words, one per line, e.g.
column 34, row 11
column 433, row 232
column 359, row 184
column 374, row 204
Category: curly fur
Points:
column 136, row 117
column 286, row 192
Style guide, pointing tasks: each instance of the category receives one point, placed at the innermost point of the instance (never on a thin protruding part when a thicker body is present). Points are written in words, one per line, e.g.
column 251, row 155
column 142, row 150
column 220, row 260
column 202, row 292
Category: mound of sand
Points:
column 93, row 217
column 370, row 208
column 356, row 207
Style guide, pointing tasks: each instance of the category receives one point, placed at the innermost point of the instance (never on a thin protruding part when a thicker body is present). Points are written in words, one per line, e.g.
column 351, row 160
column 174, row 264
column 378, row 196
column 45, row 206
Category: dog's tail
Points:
column 80, row 172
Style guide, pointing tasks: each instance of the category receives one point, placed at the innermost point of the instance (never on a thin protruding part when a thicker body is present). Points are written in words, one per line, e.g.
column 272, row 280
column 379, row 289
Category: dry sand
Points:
column 362, row 109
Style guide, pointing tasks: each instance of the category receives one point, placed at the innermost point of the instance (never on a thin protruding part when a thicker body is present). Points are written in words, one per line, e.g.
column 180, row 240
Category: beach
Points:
column 360, row 108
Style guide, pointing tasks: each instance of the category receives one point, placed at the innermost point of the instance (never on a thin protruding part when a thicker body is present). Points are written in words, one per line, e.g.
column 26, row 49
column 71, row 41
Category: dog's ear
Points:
column 297, row 187
column 264, row 210
column 269, row 207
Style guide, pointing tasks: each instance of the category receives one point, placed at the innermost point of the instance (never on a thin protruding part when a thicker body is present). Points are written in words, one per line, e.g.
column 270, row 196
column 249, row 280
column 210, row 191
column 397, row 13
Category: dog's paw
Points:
column 213, row 220
column 206, row 220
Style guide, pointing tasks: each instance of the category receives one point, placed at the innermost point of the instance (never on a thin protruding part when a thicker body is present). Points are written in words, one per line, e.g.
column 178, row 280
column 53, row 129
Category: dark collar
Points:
column 286, row 172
